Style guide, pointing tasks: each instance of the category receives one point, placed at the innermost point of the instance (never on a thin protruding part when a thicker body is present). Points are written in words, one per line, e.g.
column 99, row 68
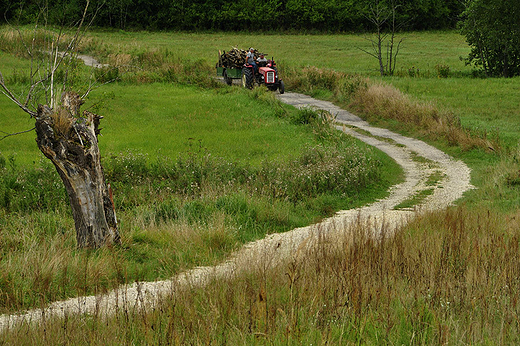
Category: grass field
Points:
column 450, row 277
column 476, row 101
column 340, row 52
column 196, row 172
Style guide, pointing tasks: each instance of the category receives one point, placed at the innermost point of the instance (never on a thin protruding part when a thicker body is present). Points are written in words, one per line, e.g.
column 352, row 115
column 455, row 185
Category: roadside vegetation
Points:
column 449, row 277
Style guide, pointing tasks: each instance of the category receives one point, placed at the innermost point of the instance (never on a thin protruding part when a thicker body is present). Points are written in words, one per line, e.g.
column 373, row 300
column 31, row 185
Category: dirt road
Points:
column 378, row 217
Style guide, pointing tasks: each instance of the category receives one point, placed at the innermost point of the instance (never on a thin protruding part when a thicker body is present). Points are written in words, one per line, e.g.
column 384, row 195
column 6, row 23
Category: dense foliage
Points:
column 320, row 15
column 493, row 36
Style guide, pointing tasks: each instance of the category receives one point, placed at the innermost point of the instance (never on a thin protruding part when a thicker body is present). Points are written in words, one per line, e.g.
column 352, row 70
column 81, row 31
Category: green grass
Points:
column 423, row 50
column 415, row 200
column 417, row 158
column 162, row 120
column 195, row 173
column 483, row 104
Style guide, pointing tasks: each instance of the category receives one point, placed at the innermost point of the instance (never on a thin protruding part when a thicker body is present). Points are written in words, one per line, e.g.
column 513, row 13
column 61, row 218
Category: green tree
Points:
column 492, row 29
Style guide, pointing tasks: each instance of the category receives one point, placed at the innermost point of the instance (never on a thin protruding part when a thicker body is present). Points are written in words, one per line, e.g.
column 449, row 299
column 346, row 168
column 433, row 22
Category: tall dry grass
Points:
column 449, row 277
column 383, row 102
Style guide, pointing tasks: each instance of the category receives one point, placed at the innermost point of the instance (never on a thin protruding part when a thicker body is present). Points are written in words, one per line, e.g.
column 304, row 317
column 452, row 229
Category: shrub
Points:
column 106, row 74
column 443, row 71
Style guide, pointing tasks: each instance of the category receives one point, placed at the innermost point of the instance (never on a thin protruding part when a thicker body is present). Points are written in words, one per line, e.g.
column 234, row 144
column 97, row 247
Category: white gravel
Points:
column 378, row 216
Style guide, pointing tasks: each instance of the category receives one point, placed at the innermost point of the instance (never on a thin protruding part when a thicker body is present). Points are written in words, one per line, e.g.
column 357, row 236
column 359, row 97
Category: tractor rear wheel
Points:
column 247, row 78
column 227, row 79
column 281, row 88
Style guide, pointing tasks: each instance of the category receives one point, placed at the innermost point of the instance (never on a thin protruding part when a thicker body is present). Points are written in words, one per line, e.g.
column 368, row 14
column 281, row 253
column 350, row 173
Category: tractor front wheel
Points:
column 281, row 88
column 247, row 78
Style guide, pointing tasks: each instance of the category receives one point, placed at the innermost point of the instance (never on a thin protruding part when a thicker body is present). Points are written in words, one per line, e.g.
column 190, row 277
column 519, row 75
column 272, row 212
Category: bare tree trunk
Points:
column 379, row 51
column 70, row 142
column 379, row 13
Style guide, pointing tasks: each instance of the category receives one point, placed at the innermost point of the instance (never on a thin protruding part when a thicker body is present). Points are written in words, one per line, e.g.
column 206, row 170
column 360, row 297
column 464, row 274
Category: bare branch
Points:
column 43, row 71
column 369, row 53
column 94, row 87
column 14, row 134
column 13, row 98
column 383, row 17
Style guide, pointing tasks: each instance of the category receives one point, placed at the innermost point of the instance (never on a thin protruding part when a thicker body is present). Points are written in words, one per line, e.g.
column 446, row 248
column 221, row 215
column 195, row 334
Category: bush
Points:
column 443, row 71
column 106, row 74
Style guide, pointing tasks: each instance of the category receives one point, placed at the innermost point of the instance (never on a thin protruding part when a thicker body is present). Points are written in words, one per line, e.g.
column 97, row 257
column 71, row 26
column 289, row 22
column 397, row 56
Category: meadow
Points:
column 196, row 172
column 449, row 277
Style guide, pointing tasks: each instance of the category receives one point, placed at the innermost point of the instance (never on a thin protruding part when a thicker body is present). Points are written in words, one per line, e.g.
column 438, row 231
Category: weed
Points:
column 106, row 74
column 443, row 71
column 413, row 72
column 304, row 116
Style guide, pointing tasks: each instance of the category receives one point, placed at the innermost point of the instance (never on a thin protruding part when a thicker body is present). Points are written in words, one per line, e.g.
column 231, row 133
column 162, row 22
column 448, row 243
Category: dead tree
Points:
column 384, row 19
column 68, row 137
column 69, row 140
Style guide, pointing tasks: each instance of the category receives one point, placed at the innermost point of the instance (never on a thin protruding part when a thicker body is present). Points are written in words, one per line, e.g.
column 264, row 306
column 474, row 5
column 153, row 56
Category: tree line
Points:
column 491, row 27
column 225, row 15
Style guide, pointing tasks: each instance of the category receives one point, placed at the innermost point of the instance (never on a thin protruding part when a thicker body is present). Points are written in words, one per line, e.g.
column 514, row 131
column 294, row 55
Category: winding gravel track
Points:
column 378, row 217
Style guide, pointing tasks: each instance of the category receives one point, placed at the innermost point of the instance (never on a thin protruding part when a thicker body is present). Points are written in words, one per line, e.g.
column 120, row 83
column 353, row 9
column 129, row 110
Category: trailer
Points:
column 229, row 73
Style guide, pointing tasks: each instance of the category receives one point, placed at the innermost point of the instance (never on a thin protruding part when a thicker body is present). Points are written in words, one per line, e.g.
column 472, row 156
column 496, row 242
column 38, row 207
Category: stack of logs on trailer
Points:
column 235, row 58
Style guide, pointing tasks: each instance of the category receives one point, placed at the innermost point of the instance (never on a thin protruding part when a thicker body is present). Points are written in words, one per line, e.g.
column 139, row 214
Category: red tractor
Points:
column 267, row 75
